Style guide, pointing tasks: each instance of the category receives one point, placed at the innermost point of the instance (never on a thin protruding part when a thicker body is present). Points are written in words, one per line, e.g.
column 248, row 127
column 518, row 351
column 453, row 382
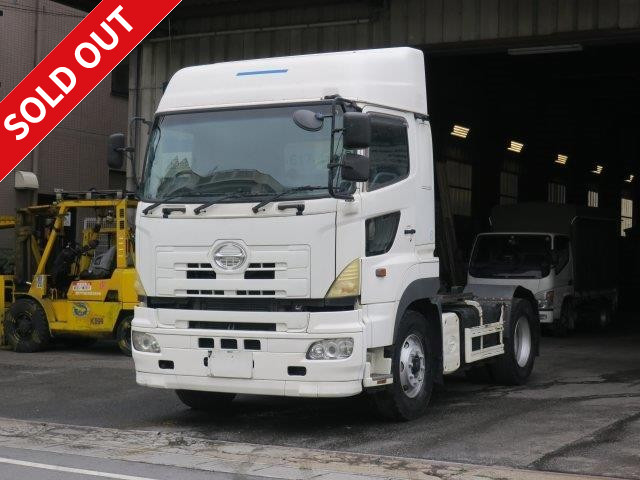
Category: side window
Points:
column 380, row 233
column 389, row 151
column 562, row 249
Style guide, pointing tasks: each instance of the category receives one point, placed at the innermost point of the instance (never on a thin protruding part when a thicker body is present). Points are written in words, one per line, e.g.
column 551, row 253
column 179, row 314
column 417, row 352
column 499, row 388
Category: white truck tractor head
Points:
column 285, row 240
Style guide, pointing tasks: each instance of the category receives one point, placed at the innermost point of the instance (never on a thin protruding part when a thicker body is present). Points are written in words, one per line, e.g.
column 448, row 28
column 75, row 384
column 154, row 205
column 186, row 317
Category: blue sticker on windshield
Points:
column 261, row 72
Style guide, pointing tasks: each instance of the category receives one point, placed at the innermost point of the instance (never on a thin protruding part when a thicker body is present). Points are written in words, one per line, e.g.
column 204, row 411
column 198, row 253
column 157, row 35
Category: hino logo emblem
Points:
column 229, row 256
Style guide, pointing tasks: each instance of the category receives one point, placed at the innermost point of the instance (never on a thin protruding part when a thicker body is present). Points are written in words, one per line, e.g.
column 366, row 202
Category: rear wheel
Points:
column 123, row 335
column 205, row 401
column 413, row 372
column 26, row 326
column 515, row 366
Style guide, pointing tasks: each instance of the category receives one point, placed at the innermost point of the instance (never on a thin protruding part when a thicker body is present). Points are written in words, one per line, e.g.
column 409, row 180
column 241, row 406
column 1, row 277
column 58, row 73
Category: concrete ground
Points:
column 580, row 412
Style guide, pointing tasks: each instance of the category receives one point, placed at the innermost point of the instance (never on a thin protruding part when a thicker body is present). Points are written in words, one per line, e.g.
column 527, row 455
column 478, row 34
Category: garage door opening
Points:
column 556, row 127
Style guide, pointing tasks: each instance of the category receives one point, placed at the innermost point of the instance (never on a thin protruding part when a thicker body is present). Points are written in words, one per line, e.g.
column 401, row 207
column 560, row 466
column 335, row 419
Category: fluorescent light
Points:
column 515, row 147
column 629, row 179
column 460, row 131
column 562, row 159
column 598, row 170
column 573, row 47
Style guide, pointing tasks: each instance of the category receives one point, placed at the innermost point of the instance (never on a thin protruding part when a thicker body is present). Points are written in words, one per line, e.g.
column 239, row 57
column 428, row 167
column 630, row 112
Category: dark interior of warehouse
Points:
column 558, row 127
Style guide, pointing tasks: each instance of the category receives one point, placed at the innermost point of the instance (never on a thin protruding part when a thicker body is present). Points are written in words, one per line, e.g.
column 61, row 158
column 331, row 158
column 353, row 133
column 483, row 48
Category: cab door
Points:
column 389, row 206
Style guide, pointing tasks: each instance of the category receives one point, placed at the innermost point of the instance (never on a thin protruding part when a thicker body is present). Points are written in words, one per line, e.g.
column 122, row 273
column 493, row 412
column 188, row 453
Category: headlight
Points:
column 545, row 300
column 348, row 282
column 331, row 349
column 143, row 342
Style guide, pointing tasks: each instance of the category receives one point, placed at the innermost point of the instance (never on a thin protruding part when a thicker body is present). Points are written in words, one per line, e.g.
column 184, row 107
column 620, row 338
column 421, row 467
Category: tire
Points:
column 123, row 335
column 408, row 397
column 521, row 345
column 26, row 326
column 205, row 401
column 567, row 321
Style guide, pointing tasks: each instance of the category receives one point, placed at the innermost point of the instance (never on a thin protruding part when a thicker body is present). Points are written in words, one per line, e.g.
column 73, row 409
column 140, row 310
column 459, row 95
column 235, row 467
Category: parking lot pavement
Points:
column 579, row 413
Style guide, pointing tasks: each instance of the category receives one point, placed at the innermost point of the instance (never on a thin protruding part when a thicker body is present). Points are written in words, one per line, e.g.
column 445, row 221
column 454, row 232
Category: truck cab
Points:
column 285, row 239
column 539, row 261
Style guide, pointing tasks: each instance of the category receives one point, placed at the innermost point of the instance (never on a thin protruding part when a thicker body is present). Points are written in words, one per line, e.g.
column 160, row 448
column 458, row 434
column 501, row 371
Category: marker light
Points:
column 515, row 147
column 562, row 159
column 348, row 282
column 460, row 131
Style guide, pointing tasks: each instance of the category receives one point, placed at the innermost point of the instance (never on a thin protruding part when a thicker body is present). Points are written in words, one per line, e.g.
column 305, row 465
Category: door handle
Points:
column 410, row 231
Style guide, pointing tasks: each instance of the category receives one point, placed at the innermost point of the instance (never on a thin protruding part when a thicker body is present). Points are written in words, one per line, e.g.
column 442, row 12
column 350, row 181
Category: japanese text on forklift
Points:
column 71, row 71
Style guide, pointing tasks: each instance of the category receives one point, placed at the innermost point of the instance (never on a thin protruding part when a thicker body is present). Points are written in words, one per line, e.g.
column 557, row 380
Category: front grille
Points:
column 242, row 293
column 201, row 274
column 249, row 304
column 259, row 275
column 254, row 327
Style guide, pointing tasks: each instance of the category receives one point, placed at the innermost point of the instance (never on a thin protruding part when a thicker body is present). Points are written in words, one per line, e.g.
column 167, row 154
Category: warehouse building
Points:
column 529, row 99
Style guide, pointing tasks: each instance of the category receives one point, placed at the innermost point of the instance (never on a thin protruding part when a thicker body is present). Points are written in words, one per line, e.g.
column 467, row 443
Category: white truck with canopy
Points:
column 565, row 254
column 285, row 240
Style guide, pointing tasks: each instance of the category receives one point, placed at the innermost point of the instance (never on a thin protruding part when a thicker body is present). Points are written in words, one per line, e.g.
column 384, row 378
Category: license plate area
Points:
column 231, row 364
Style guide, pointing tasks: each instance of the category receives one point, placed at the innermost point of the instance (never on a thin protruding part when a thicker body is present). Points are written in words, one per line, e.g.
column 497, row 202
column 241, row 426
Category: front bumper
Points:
column 271, row 373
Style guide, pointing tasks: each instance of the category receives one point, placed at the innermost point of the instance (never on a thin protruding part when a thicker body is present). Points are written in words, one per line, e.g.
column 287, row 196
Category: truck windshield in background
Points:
column 511, row 256
column 249, row 152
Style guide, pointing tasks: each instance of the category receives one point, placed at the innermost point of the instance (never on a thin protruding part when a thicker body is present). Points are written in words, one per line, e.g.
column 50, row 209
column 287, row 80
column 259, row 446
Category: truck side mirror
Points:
column 355, row 168
column 115, row 151
column 357, row 130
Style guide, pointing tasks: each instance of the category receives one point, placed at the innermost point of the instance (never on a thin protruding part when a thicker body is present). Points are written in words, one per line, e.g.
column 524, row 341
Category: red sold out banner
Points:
column 69, row 73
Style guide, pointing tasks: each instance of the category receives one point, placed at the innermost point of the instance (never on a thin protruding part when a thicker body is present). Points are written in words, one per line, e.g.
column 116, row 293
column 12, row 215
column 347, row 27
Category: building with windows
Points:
column 73, row 156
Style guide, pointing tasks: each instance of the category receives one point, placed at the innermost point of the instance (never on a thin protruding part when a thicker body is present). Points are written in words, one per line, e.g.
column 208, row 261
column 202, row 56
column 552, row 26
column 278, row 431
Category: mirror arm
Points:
column 333, row 164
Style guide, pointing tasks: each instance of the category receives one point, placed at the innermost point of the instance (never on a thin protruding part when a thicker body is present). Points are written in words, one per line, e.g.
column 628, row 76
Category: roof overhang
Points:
column 200, row 8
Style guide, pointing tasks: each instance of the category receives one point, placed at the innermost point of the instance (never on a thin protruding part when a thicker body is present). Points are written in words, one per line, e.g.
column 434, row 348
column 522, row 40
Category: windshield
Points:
column 260, row 151
column 511, row 256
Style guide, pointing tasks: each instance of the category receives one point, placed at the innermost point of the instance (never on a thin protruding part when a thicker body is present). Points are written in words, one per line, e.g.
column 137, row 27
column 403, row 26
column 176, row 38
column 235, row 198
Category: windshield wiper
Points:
column 204, row 206
column 275, row 197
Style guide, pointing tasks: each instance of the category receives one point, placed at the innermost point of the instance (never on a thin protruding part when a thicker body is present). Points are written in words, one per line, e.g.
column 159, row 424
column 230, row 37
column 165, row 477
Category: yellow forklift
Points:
column 75, row 275
column 6, row 281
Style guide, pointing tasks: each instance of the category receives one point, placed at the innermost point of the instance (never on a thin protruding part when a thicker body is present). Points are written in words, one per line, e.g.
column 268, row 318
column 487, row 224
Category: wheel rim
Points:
column 412, row 366
column 522, row 341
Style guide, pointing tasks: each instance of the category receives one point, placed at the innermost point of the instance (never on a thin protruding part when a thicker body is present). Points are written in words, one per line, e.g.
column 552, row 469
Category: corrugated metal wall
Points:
column 362, row 24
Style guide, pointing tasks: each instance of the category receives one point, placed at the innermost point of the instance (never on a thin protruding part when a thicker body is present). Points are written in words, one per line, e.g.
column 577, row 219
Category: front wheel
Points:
column 605, row 316
column 567, row 321
column 520, row 347
column 413, row 372
column 205, row 401
column 123, row 335
column 26, row 326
